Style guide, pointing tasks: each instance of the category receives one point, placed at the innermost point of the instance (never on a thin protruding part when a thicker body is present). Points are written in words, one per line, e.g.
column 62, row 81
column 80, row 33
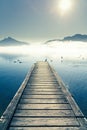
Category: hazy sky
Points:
column 41, row 20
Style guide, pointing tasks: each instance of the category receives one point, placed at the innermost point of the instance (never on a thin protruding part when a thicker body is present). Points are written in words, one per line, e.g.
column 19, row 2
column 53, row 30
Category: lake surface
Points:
column 13, row 69
column 74, row 75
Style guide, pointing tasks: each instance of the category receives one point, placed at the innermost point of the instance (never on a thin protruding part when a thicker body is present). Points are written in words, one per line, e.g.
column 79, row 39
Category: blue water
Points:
column 74, row 76
column 11, row 77
column 13, row 72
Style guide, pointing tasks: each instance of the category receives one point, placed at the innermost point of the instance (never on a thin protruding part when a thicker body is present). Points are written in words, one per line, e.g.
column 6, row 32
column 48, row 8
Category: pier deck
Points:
column 43, row 103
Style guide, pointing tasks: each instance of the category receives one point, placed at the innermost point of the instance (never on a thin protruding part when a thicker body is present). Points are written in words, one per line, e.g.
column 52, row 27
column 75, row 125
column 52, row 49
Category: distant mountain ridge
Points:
column 76, row 37
column 11, row 42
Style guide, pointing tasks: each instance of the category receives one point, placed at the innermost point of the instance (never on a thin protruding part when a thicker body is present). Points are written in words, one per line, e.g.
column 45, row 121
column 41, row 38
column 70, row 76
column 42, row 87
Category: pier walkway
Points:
column 43, row 103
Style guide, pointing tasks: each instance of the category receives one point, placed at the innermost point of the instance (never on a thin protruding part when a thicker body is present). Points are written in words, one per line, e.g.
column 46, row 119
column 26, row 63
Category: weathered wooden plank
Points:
column 67, row 122
column 45, row 96
column 42, row 90
column 37, row 84
column 45, row 88
column 26, row 101
column 42, row 85
column 43, row 82
column 44, row 106
column 43, row 79
column 34, row 92
column 44, row 113
column 46, row 128
column 46, row 79
column 41, row 75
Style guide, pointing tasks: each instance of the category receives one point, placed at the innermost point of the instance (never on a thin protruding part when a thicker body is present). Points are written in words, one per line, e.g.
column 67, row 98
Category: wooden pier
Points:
column 43, row 103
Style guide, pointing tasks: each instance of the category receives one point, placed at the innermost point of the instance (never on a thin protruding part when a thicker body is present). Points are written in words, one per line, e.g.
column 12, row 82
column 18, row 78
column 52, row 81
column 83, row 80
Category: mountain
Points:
column 11, row 42
column 51, row 41
column 76, row 37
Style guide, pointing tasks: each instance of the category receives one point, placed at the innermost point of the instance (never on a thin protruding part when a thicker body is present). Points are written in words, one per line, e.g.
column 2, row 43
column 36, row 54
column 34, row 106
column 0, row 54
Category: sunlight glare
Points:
column 64, row 6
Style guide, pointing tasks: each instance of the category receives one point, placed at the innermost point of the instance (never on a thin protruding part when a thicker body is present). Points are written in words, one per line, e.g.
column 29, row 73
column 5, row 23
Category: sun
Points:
column 64, row 6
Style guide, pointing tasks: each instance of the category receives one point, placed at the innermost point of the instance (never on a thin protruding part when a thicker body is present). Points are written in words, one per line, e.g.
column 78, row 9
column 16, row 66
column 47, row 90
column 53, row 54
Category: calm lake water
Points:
column 13, row 69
